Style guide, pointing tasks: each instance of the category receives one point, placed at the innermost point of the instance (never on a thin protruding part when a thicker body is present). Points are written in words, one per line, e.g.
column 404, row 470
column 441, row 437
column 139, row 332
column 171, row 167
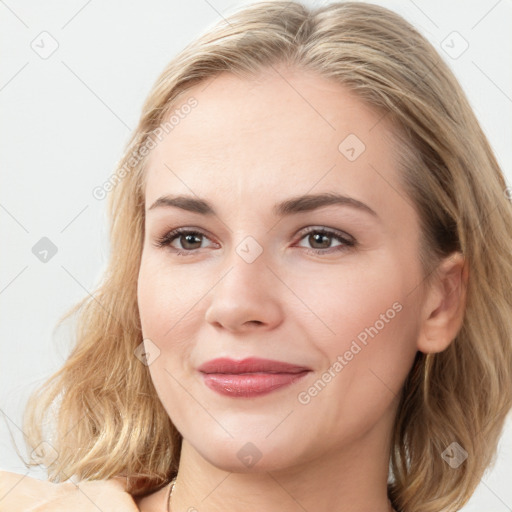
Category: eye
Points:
column 188, row 239
column 323, row 237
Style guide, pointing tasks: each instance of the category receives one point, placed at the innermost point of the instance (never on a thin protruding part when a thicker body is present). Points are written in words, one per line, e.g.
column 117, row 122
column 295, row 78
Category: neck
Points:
column 350, row 479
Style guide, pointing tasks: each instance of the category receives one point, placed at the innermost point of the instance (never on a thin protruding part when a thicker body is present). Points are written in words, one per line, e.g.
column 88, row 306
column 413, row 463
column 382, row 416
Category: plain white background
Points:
column 65, row 120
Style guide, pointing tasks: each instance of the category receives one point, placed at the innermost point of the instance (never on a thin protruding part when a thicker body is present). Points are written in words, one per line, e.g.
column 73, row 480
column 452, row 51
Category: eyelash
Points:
column 168, row 238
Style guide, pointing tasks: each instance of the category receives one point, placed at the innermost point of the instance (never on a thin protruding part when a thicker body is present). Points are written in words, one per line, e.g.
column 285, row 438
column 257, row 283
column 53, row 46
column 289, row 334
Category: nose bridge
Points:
column 248, row 271
column 245, row 294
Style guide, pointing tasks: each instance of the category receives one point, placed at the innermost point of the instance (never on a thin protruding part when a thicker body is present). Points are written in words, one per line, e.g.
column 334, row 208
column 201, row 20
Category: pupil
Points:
column 318, row 236
column 190, row 239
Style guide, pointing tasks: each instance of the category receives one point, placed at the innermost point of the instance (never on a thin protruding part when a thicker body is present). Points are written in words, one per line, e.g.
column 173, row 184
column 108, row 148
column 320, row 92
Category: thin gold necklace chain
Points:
column 173, row 483
column 171, row 488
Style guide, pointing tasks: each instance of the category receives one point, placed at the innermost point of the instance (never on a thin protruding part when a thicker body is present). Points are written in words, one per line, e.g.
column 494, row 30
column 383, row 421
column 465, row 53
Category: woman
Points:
column 308, row 299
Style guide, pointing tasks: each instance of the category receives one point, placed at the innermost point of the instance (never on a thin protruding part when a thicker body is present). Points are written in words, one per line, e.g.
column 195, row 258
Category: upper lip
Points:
column 249, row 365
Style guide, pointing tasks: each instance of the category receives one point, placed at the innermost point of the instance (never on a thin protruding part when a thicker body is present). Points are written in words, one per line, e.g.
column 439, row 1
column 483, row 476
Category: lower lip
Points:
column 249, row 384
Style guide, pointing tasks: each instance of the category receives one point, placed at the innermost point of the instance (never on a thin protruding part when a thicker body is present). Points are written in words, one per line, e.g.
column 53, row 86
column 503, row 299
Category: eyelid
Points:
column 326, row 230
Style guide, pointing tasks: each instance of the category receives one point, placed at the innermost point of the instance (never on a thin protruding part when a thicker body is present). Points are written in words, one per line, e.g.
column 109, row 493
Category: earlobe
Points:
column 444, row 305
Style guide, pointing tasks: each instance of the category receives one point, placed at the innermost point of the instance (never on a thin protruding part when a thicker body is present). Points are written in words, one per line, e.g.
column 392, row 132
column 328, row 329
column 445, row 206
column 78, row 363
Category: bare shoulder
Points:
column 19, row 492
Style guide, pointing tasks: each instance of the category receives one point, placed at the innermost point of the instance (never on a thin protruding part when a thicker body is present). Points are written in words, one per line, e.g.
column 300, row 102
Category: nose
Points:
column 247, row 297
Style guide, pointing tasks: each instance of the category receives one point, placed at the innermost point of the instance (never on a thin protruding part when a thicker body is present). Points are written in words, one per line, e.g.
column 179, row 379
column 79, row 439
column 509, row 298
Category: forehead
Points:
column 280, row 132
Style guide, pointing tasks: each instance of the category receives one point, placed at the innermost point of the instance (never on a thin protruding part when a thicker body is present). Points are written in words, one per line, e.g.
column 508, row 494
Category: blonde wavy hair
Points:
column 101, row 406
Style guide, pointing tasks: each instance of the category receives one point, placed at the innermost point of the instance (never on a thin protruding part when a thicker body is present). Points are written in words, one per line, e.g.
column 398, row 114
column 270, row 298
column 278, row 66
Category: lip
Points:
column 249, row 377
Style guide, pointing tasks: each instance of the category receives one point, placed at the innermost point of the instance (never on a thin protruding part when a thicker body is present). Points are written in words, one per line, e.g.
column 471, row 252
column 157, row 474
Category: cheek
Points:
column 167, row 319
column 171, row 315
column 377, row 344
column 365, row 364
column 162, row 300
column 359, row 299
column 365, row 328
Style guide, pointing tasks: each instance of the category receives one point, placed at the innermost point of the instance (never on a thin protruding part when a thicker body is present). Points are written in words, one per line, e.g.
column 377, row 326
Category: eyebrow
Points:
column 298, row 204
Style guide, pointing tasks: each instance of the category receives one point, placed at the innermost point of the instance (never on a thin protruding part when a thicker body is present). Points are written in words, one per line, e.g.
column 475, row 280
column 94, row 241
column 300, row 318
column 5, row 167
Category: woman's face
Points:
column 256, row 160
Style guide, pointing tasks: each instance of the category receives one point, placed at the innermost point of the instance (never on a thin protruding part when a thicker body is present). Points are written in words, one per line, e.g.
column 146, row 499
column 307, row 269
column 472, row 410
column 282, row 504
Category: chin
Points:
column 241, row 455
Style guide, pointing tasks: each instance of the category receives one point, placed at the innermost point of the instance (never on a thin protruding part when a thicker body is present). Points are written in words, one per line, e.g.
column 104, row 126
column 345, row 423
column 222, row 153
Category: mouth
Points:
column 249, row 377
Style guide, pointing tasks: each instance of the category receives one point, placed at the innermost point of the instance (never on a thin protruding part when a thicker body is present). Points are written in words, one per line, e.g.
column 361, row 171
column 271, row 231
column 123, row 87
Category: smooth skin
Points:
column 248, row 145
column 20, row 493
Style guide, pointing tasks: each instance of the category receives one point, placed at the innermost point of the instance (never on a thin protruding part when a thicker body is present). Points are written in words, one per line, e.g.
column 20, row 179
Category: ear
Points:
column 444, row 305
